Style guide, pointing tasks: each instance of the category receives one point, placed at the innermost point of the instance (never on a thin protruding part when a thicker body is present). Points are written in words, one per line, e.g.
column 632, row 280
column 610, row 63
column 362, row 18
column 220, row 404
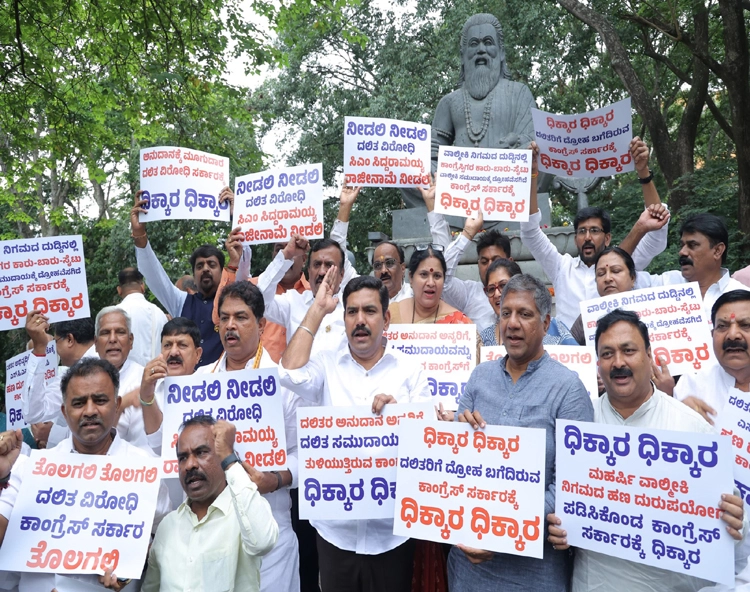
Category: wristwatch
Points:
column 647, row 180
column 229, row 460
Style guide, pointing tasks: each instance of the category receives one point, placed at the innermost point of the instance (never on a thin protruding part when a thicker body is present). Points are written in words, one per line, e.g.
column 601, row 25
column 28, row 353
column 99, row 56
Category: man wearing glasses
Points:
column 574, row 277
column 389, row 267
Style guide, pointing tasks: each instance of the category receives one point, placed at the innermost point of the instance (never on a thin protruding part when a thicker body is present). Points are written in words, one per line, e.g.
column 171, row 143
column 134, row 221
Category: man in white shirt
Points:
column 214, row 540
column 241, row 325
column 704, row 243
column 708, row 390
column 389, row 266
column 574, row 277
column 147, row 319
column 624, row 353
column 91, row 406
column 363, row 554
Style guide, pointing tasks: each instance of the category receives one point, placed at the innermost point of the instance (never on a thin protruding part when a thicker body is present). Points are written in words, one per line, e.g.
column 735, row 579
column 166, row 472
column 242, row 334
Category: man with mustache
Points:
column 704, row 243
column 574, row 278
column 90, row 407
column 241, row 325
column 526, row 388
column 708, row 390
column 364, row 554
column 206, row 263
column 180, row 352
column 214, row 540
column 624, row 352
column 389, row 267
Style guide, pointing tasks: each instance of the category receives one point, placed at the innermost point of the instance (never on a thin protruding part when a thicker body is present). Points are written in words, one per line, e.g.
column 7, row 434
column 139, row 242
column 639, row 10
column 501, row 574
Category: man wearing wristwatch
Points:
column 241, row 325
column 214, row 540
column 90, row 407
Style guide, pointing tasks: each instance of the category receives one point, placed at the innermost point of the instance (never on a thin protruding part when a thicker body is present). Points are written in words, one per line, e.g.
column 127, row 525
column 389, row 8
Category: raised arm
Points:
column 439, row 229
column 170, row 296
column 229, row 273
column 340, row 229
column 532, row 235
column 277, row 309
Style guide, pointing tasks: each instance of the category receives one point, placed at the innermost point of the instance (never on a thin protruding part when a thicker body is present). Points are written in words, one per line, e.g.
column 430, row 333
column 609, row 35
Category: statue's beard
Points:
column 480, row 80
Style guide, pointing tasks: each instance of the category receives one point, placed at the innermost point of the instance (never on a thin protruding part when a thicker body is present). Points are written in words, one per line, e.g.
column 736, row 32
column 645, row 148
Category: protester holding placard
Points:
column 496, row 278
column 206, row 263
column 709, row 390
column 624, row 352
column 147, row 319
column 241, row 325
column 214, row 540
column 526, row 388
column 573, row 277
column 90, row 407
column 356, row 555
column 704, row 244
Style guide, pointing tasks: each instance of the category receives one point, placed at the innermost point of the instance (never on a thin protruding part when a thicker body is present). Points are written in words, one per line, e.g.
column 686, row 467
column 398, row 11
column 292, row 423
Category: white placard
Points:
column 46, row 274
column 82, row 514
column 183, row 184
column 273, row 205
column 15, row 378
column 447, row 354
column 734, row 422
column 494, row 181
column 579, row 359
column 649, row 496
column 484, row 489
column 347, row 459
column 674, row 315
column 251, row 400
column 593, row 144
column 386, row 152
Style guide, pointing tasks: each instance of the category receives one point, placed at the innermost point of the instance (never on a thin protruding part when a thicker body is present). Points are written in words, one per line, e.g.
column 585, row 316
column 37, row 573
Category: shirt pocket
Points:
column 217, row 571
column 534, row 416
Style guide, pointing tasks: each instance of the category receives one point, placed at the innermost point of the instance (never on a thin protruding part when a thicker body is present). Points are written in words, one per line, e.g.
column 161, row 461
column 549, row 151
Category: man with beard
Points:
column 215, row 539
column 364, row 554
column 704, row 243
column 206, row 262
column 574, row 277
column 90, row 407
column 526, row 388
column 624, row 352
column 241, row 325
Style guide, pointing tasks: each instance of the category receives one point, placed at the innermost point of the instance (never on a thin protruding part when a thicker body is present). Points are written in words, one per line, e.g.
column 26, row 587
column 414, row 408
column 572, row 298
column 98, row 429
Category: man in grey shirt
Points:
column 528, row 389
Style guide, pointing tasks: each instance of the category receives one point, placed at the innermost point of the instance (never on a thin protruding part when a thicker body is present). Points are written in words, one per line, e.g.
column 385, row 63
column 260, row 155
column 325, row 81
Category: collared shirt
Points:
column 547, row 391
column 724, row 285
column 603, row 573
column 466, row 295
column 42, row 398
column 289, row 309
column 710, row 384
column 147, row 321
column 574, row 281
column 335, row 378
column 404, row 293
column 130, row 426
column 36, row 582
column 220, row 552
column 196, row 307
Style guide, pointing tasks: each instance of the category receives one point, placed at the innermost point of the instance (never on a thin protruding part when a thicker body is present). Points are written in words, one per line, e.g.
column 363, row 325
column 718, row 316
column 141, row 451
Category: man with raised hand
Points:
column 206, row 263
column 91, row 408
column 363, row 554
column 526, row 388
column 574, row 277
column 215, row 539
column 624, row 352
column 241, row 325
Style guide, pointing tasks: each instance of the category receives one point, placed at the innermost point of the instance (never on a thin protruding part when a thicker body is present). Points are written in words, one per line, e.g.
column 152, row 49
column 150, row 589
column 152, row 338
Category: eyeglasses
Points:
column 433, row 246
column 593, row 231
column 389, row 263
column 492, row 288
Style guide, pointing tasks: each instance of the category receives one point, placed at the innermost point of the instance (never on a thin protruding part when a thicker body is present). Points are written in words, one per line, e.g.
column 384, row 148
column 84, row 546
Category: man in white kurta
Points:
column 359, row 372
column 240, row 329
column 631, row 399
column 146, row 318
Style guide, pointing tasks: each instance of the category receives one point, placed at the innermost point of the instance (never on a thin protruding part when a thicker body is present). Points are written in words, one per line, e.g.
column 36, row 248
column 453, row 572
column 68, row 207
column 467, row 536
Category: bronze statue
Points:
column 487, row 109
